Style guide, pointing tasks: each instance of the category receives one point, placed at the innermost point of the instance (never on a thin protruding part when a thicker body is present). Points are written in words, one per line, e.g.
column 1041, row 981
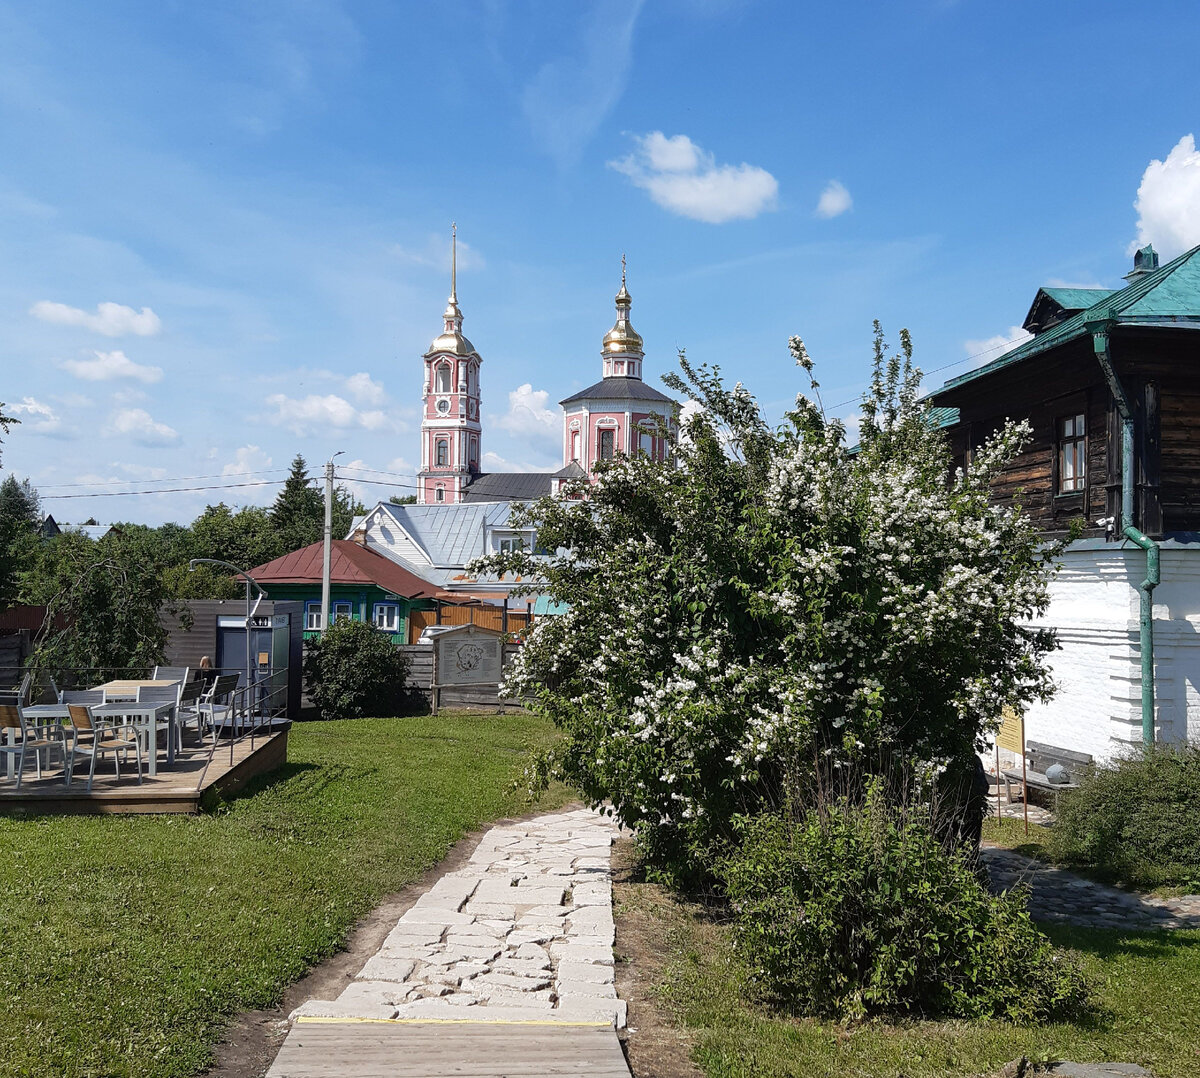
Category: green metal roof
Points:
column 942, row 417
column 1169, row 294
column 1076, row 299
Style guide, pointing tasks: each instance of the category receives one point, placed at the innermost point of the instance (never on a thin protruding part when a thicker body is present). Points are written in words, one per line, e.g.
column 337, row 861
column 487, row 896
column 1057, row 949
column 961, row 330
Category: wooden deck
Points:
column 438, row 1049
column 176, row 789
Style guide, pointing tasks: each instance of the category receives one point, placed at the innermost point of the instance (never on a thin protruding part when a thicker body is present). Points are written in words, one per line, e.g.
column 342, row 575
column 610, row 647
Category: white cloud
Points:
column 36, row 416
column 105, row 366
column 529, row 417
column 371, row 485
column 303, row 414
column 363, row 389
column 249, row 458
column 1168, row 201
column 138, row 426
column 435, row 253
column 989, row 348
column 834, row 200
column 681, row 177
column 110, row 319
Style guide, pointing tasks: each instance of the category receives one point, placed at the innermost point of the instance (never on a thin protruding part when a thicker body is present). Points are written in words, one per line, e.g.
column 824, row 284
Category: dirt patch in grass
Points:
column 655, row 1041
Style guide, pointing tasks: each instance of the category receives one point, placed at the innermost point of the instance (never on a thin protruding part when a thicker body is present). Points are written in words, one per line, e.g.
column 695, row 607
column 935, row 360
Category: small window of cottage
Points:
column 1072, row 454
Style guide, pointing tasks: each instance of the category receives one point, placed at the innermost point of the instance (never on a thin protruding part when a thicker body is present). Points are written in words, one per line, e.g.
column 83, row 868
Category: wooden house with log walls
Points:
column 1110, row 384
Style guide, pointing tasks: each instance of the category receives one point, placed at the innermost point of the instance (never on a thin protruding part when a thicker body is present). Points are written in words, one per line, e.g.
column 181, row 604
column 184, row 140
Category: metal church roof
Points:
column 618, row 387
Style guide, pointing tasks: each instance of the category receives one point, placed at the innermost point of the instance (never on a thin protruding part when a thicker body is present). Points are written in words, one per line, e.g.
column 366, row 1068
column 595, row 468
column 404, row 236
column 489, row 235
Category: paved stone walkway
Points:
column 522, row 933
column 1058, row 895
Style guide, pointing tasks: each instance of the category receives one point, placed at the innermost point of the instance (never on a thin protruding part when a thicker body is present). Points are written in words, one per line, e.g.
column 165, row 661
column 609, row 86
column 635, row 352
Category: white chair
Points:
column 170, row 673
column 188, row 710
column 18, row 694
column 216, row 708
column 17, row 738
column 159, row 694
column 94, row 741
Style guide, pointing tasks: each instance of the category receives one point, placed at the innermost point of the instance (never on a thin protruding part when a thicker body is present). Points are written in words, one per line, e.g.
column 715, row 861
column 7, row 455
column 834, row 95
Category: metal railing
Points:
column 253, row 712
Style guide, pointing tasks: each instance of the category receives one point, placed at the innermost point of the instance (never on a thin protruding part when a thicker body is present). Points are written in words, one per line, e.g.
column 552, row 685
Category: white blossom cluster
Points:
column 735, row 620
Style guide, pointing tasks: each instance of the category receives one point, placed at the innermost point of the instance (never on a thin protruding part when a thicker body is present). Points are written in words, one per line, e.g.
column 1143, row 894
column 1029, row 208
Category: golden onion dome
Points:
column 451, row 339
column 623, row 337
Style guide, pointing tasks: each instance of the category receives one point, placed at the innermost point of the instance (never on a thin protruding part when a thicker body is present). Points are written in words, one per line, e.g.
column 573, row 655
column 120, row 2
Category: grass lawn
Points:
column 1148, row 995
column 126, row 942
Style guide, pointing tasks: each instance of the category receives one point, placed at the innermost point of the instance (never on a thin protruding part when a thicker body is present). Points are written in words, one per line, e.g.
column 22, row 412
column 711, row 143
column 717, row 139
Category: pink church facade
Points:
column 618, row 416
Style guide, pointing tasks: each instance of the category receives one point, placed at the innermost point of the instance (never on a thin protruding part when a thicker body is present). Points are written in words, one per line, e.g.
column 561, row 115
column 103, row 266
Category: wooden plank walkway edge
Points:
column 410, row 1048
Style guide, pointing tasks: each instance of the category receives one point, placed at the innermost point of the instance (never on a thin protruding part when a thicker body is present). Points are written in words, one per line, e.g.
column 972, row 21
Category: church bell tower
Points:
column 450, row 426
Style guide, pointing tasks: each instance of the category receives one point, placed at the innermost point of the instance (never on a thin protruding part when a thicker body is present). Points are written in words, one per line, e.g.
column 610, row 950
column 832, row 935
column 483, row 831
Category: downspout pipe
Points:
column 1099, row 331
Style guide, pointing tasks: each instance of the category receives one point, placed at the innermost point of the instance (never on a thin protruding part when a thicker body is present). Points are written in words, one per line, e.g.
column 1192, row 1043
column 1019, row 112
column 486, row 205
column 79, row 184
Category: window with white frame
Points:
column 442, row 452
column 439, row 495
column 387, row 617
column 312, row 617
column 606, row 444
column 509, row 544
column 340, row 612
column 1072, row 454
column 443, row 378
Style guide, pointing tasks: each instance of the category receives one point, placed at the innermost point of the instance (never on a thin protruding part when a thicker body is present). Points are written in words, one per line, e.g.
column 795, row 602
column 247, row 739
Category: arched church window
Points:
column 574, row 445
column 607, row 444
column 474, row 454
column 442, row 453
column 443, row 378
column 646, row 442
column 439, row 495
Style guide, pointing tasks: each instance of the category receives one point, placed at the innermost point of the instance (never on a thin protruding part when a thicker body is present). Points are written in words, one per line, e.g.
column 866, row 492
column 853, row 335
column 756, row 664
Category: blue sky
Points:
column 225, row 225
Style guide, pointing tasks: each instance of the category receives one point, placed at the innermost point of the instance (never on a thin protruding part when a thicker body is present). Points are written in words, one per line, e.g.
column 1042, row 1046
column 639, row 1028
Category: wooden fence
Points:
column 512, row 620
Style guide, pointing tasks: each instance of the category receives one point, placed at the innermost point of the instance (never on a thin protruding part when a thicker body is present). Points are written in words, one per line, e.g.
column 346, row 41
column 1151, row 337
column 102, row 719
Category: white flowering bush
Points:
column 772, row 605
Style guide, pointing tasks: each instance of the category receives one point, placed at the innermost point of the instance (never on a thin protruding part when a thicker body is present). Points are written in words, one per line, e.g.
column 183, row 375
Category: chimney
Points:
column 1144, row 261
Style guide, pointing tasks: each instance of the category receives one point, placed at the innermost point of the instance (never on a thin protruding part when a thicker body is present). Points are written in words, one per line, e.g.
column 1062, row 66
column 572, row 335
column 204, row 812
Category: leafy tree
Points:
column 354, row 670
column 403, row 499
column 244, row 538
column 110, row 597
column 20, row 514
column 770, row 607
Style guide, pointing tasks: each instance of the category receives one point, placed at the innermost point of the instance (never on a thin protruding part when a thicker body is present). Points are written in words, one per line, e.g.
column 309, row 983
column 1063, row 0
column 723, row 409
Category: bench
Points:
column 1038, row 758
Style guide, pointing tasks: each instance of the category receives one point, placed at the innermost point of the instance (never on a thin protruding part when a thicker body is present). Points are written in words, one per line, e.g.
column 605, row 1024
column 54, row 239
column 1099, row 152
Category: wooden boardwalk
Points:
column 176, row 789
column 410, row 1049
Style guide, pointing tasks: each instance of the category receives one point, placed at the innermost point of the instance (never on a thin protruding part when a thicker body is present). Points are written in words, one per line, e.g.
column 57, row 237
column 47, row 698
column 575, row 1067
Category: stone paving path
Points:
column 1059, row 895
column 522, row 933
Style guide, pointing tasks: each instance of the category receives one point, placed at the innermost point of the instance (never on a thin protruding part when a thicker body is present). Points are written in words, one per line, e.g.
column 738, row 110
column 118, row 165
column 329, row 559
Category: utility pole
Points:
column 325, row 556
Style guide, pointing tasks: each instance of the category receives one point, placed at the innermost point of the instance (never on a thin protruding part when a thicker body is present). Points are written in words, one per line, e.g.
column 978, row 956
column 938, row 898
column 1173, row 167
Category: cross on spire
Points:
column 453, row 261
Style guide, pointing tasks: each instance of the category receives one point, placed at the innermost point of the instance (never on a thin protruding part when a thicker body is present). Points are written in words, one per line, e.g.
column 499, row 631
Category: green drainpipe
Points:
column 1099, row 331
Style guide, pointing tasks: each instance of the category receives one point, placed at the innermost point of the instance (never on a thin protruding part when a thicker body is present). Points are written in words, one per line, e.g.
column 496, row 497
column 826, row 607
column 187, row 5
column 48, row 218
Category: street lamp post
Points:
column 261, row 594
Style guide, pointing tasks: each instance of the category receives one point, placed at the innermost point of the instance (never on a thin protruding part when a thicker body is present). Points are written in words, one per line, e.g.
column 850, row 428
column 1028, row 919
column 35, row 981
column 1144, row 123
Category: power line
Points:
column 173, row 479
column 936, row 370
column 164, row 490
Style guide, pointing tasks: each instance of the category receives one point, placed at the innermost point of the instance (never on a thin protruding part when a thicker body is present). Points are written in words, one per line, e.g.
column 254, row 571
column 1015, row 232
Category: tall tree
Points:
column 299, row 512
column 19, row 516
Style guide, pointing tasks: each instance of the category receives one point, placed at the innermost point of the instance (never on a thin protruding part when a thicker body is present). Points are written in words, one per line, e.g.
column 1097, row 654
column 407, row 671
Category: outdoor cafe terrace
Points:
column 195, row 739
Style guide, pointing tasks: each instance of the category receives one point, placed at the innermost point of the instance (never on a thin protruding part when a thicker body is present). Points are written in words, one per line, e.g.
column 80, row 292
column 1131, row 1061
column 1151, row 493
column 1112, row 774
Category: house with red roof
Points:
column 363, row 586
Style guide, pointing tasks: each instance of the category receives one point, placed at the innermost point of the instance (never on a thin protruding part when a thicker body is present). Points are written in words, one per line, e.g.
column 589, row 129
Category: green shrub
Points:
column 856, row 910
column 1136, row 821
column 353, row 671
